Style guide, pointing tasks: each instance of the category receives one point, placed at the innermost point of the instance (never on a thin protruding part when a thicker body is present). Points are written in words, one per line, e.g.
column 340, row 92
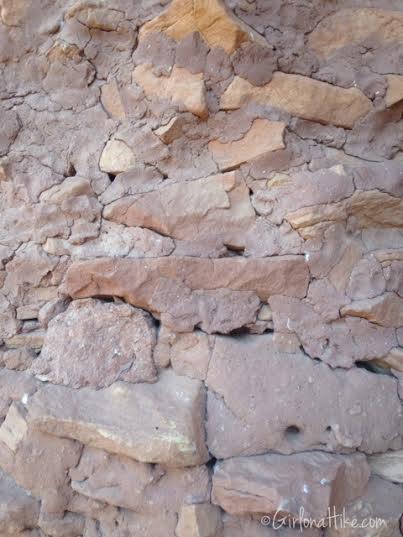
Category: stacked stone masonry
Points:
column 201, row 268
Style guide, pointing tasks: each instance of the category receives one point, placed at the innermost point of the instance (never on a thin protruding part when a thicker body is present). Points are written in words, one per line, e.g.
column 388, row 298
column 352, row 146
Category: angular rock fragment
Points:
column 352, row 26
column 112, row 101
column 385, row 310
column 302, row 97
column 287, row 193
column 19, row 511
column 263, row 137
column 38, row 462
column 159, row 423
column 260, row 399
column 394, row 93
column 392, row 360
column 116, row 157
column 114, row 241
column 71, row 187
column 172, row 130
column 141, row 487
column 216, row 24
column 96, row 343
column 199, row 520
column 68, row 525
column 180, row 289
column 340, row 343
column 388, row 465
column 182, row 87
column 217, row 206
column 369, row 209
column 305, row 485
column 189, row 354
column 15, row 386
column 377, row 513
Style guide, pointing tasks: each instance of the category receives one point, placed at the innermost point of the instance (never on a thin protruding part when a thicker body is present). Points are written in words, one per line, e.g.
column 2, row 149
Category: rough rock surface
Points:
column 245, row 418
column 301, row 97
column 181, row 289
column 201, row 267
column 94, row 343
column 316, row 482
column 158, row 423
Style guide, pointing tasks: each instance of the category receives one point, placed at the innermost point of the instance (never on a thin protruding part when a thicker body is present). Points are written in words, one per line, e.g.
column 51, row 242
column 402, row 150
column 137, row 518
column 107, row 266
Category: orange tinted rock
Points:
column 182, row 87
column 217, row 25
column 302, row 97
column 263, row 137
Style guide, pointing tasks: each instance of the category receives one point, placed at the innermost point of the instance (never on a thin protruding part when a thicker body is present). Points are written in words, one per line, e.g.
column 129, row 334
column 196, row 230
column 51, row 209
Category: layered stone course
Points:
column 201, row 268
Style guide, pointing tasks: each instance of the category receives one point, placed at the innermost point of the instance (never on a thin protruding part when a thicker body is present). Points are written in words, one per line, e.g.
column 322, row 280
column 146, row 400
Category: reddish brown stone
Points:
column 304, row 485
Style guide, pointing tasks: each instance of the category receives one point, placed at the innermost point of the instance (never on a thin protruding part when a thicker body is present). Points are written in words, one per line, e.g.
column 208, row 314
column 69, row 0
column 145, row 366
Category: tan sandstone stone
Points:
column 217, row 25
column 393, row 360
column 369, row 209
column 112, row 101
column 385, row 310
column 388, row 465
column 116, row 157
column 302, row 97
column 199, row 209
column 263, row 137
column 69, row 188
column 171, row 131
column 199, row 520
column 32, row 340
column 182, row 87
column 159, row 423
column 352, row 26
column 394, row 93
column 269, row 484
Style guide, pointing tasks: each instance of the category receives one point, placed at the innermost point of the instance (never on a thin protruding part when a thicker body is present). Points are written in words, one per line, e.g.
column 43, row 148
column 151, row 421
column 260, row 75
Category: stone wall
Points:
column 201, row 267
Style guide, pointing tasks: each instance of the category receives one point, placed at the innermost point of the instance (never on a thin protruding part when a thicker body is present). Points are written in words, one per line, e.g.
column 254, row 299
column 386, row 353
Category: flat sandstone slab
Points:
column 316, row 482
column 220, row 295
column 302, row 97
column 260, row 399
column 157, row 423
column 263, row 137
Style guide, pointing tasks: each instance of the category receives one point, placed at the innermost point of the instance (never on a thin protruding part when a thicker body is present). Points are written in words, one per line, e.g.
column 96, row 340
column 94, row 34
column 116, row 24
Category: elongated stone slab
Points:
column 303, row 485
column 302, row 97
column 158, row 423
column 220, row 294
